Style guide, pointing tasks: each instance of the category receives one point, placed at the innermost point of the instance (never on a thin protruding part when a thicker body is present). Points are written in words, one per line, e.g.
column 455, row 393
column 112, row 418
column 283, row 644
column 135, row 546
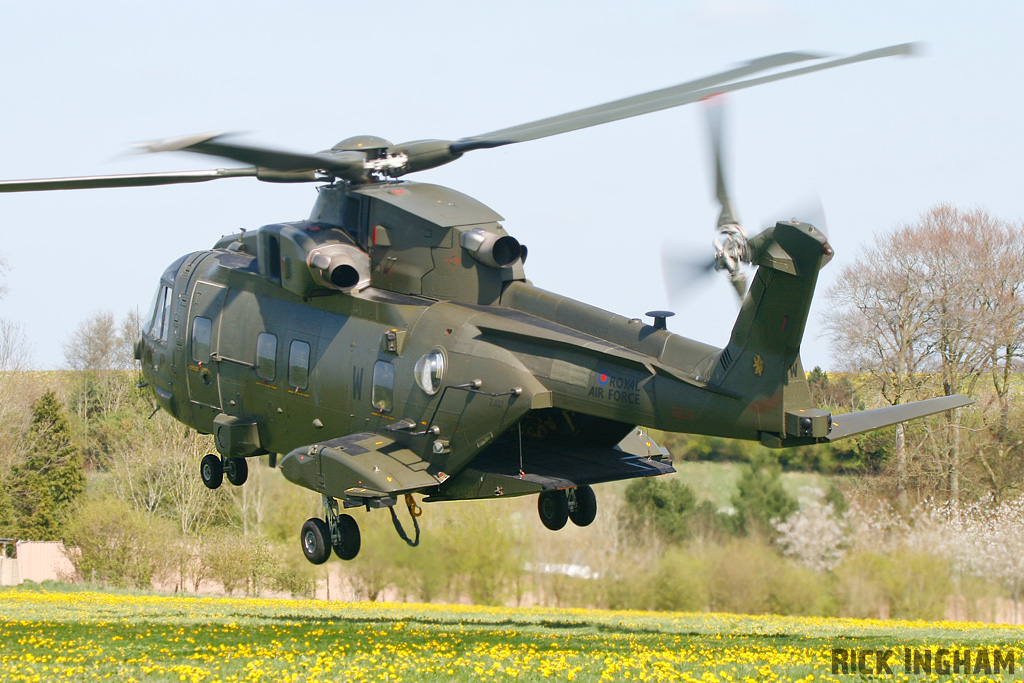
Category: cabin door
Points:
column 203, row 333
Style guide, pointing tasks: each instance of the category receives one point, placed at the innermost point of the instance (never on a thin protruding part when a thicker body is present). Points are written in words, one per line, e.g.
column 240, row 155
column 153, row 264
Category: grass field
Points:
column 84, row 636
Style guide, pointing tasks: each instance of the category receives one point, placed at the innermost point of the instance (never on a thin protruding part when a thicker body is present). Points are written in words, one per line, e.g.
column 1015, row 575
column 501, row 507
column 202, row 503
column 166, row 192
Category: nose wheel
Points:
column 212, row 469
column 237, row 470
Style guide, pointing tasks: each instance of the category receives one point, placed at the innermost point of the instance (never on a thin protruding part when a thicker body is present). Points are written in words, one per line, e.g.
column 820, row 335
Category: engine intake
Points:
column 490, row 248
column 340, row 266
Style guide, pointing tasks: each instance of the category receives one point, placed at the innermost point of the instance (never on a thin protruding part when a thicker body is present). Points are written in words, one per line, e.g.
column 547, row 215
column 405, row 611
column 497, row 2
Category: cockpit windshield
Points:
column 159, row 321
column 160, row 313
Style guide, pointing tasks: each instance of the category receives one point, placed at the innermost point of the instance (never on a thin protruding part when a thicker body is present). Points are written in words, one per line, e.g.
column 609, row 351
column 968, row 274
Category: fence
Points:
column 35, row 561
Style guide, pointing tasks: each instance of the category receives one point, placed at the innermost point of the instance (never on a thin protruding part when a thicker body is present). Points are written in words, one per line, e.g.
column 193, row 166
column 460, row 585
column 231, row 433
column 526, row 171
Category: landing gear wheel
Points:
column 314, row 541
column 237, row 470
column 582, row 505
column 347, row 539
column 211, row 469
column 553, row 507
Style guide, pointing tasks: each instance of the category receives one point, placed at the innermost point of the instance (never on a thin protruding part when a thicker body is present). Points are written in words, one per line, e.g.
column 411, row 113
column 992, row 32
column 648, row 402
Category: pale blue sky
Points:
column 879, row 142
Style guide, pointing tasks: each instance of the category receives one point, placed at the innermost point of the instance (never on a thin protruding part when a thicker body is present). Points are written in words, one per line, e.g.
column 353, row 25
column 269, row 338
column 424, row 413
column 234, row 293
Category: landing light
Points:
column 429, row 371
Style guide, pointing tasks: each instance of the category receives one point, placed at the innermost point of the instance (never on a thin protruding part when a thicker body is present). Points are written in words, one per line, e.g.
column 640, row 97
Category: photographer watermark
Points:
column 910, row 660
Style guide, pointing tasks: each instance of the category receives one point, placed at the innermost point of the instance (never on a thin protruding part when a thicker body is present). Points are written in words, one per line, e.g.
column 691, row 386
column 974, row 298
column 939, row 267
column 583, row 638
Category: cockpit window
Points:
column 160, row 317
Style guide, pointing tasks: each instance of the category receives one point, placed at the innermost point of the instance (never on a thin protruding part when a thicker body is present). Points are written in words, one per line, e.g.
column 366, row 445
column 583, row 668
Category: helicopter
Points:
column 390, row 344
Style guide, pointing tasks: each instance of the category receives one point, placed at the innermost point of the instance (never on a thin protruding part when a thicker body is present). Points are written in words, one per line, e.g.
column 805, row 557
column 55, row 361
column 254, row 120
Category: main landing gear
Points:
column 212, row 469
column 559, row 506
column 341, row 533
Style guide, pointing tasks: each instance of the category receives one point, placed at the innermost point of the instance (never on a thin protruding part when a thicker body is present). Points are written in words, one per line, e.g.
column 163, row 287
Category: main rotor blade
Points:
column 675, row 96
column 613, row 111
column 344, row 164
column 127, row 180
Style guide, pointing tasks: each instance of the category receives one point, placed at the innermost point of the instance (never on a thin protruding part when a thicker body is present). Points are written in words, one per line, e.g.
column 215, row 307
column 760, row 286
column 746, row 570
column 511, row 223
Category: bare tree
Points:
column 93, row 346
column 100, row 352
column 1005, row 336
column 250, row 501
column 4, row 267
column 190, row 503
column 143, row 469
column 15, row 395
column 881, row 322
column 936, row 299
column 15, row 352
column 956, row 256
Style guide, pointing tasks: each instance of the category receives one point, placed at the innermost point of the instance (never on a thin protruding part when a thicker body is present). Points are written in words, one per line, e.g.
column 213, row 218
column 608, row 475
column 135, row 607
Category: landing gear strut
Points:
column 237, row 470
column 345, row 538
column 558, row 507
column 582, row 505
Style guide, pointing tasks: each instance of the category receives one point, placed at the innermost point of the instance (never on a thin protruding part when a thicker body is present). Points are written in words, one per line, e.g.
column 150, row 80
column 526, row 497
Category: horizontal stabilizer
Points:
column 866, row 420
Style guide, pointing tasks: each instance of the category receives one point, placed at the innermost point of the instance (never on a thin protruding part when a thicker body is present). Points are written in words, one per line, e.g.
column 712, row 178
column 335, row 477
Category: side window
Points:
column 383, row 386
column 201, row 329
column 266, row 356
column 298, row 364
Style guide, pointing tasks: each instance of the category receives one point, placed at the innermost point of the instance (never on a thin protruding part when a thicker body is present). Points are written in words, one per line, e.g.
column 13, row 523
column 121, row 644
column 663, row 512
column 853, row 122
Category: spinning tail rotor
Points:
column 732, row 249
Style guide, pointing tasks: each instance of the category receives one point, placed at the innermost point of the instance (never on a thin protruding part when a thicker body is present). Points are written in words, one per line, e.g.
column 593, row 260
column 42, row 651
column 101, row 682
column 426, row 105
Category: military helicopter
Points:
column 391, row 345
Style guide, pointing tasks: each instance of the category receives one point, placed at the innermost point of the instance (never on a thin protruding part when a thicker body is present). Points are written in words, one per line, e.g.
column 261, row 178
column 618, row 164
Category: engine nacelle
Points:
column 490, row 248
column 340, row 266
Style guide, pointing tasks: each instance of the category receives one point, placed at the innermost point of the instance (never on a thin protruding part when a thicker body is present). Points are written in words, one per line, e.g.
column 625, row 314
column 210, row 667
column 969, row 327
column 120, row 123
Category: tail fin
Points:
column 761, row 363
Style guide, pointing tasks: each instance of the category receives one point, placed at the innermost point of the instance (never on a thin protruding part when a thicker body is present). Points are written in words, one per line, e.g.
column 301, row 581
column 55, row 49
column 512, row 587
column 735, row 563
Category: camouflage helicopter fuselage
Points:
column 535, row 389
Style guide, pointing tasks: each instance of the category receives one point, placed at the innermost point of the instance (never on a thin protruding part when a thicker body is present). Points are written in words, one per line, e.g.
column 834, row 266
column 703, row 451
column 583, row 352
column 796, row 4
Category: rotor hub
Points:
column 371, row 144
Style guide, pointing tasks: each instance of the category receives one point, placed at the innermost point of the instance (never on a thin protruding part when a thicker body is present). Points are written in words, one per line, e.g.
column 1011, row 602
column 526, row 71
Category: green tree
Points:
column 116, row 545
column 836, row 395
column 47, row 484
column 6, row 513
column 665, row 505
column 760, row 497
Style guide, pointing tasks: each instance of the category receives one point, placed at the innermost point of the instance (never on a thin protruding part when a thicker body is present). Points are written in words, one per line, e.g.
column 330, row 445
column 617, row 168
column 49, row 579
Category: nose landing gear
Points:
column 339, row 532
column 212, row 469
column 237, row 470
